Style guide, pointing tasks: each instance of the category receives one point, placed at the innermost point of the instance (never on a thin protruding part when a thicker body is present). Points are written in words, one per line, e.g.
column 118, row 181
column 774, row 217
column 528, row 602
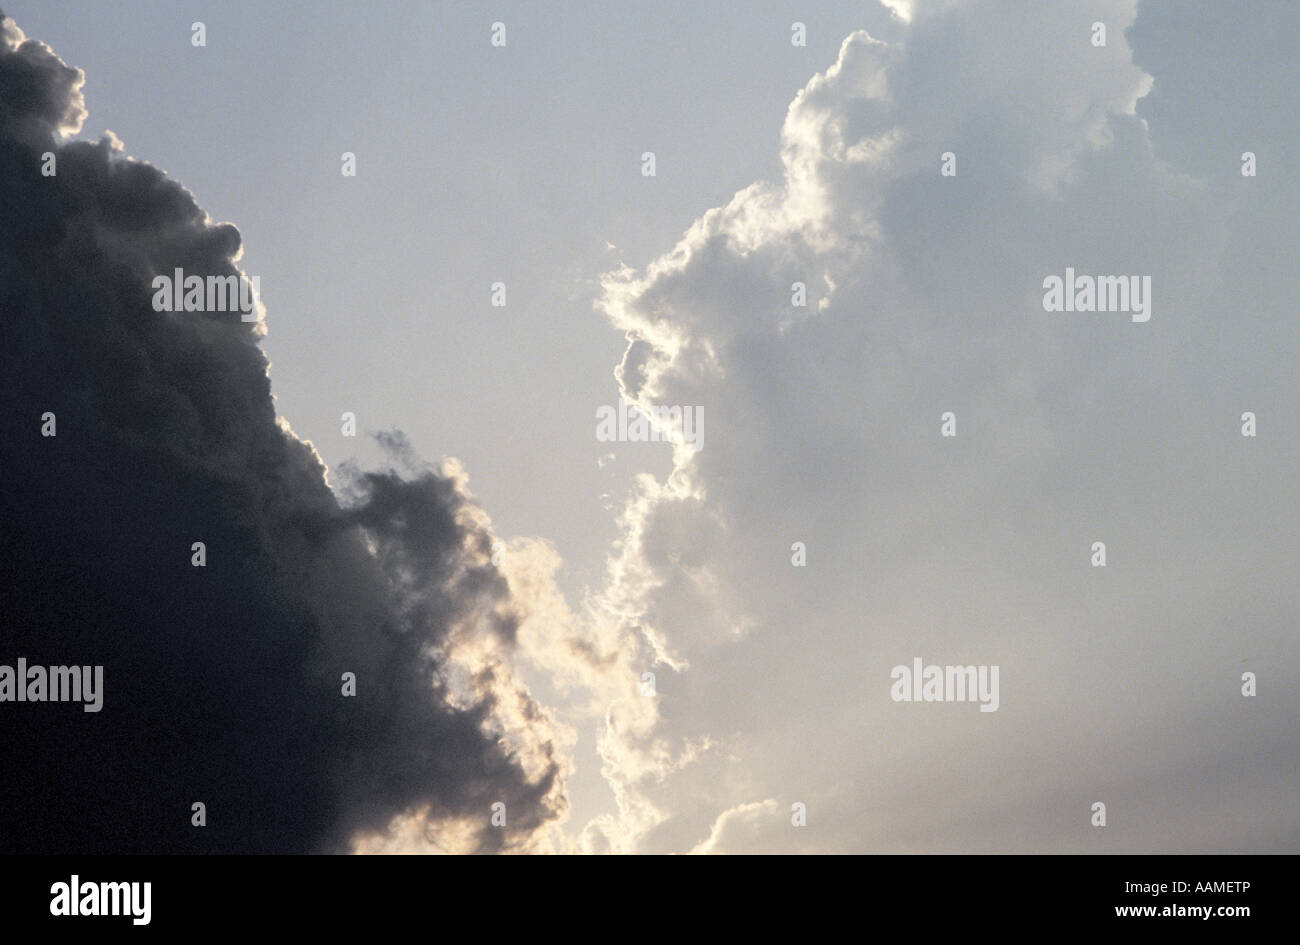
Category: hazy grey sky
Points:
column 522, row 164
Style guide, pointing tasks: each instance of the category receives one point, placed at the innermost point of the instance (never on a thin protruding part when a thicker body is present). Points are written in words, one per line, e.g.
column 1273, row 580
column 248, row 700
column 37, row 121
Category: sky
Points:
column 503, row 579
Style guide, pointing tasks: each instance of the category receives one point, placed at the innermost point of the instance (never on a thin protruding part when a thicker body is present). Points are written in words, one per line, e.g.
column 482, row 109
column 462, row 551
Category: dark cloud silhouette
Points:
column 222, row 684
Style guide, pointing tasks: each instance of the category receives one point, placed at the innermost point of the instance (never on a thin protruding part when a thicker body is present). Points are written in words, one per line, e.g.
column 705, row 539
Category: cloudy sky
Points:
column 499, row 579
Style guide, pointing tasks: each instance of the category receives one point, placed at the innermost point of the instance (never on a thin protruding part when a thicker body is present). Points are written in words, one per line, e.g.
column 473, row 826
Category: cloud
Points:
column 40, row 92
column 476, row 677
column 223, row 684
column 736, row 826
column 924, row 297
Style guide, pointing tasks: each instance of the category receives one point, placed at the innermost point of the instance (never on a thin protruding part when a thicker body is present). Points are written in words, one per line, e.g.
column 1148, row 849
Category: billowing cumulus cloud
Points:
column 925, row 295
column 717, row 686
column 224, row 684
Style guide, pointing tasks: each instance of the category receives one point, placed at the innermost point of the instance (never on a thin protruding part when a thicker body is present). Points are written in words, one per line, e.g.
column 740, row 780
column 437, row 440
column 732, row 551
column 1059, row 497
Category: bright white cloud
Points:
column 924, row 297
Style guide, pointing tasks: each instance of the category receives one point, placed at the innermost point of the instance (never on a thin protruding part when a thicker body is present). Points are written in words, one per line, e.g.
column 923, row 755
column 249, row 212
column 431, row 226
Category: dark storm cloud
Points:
column 221, row 684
